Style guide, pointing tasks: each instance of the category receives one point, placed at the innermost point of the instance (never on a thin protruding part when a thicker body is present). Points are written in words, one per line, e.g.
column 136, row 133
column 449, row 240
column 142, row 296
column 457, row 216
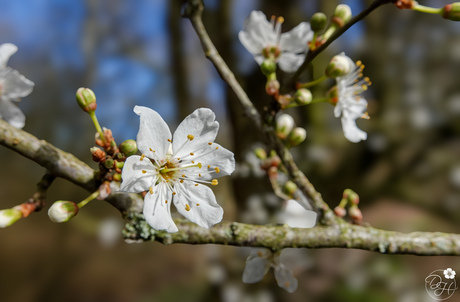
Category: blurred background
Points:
column 141, row 52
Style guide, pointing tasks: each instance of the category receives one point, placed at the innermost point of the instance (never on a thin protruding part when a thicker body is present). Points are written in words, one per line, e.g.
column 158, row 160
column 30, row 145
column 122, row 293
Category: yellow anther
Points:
column 199, row 175
column 190, row 137
column 210, row 144
column 214, row 182
column 142, row 157
column 178, row 158
column 365, row 116
column 280, row 20
column 260, row 254
column 199, row 165
column 359, row 63
column 364, row 87
column 217, row 148
column 197, row 204
column 151, row 190
column 191, row 153
column 217, row 169
column 169, row 140
column 209, row 166
column 181, row 181
column 273, row 17
column 166, row 201
column 174, row 193
column 151, row 149
column 183, row 175
column 193, row 162
column 143, row 171
column 196, row 185
column 187, row 207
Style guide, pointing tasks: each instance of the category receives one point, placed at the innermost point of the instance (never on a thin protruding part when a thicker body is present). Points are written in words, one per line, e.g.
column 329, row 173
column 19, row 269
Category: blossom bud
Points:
column 128, row 147
column 318, row 22
column 86, row 99
column 340, row 65
column 268, row 66
column 290, row 188
column 109, row 162
column 116, row 177
column 303, row 96
column 9, row 216
column 284, row 125
column 341, row 15
column 355, row 213
column 272, row 87
column 97, row 154
column 451, row 11
column 260, row 153
column 62, row 211
column 297, row 136
column 339, row 211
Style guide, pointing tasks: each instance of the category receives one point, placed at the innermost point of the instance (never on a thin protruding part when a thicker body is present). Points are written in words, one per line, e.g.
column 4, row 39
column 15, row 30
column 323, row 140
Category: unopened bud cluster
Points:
column 286, row 130
column 351, row 199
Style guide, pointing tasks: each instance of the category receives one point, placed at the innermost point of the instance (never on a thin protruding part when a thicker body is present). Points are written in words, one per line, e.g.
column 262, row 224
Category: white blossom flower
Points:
column 261, row 259
column 350, row 105
column 13, row 86
column 173, row 168
column 449, row 273
column 263, row 39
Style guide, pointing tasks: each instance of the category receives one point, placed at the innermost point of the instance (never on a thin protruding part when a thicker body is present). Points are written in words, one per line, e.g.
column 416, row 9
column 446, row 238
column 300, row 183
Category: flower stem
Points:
column 313, row 83
column 92, row 114
column 88, row 199
column 428, row 10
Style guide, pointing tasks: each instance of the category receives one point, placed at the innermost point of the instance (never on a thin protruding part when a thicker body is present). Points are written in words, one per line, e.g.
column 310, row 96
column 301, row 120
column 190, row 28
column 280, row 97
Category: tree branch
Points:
column 193, row 12
column 342, row 235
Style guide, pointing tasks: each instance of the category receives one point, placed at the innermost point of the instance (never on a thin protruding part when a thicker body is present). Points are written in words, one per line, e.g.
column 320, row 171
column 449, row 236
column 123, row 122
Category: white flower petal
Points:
column 296, row 216
column 252, row 43
column 153, row 133
column 290, row 62
column 6, row 51
column 220, row 158
column 11, row 113
column 202, row 125
column 351, row 130
column 133, row 180
column 14, row 85
column 202, row 208
column 296, row 40
column 285, row 278
column 157, row 213
column 256, row 267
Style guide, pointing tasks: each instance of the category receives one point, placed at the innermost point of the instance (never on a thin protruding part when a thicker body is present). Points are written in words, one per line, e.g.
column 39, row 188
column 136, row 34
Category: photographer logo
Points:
column 440, row 284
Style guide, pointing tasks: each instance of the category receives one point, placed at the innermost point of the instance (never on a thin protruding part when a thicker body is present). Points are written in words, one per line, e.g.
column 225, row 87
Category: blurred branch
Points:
column 59, row 163
column 311, row 55
column 193, row 12
column 341, row 235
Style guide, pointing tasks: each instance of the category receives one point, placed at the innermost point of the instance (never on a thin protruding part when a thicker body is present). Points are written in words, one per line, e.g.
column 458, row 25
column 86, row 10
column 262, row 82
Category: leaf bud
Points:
column 303, row 96
column 340, row 65
column 297, row 136
column 109, row 163
column 62, row 211
column 9, row 216
column 284, row 125
column 290, row 188
column 342, row 15
column 128, row 147
column 86, row 99
column 451, row 11
column 318, row 22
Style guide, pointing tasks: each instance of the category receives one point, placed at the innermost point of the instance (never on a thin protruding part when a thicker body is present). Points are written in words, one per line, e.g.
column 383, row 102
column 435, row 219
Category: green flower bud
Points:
column 268, row 66
column 297, row 136
column 62, row 211
column 86, row 99
column 339, row 211
column 318, row 22
column 260, row 153
column 284, row 125
column 109, row 162
column 272, row 87
column 340, row 65
column 333, row 95
column 290, row 188
column 355, row 213
column 128, row 147
column 342, row 15
column 116, row 177
column 451, row 11
column 9, row 216
column 303, row 96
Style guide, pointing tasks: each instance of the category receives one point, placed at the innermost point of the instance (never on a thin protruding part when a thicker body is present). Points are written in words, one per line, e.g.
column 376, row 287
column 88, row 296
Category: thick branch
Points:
column 194, row 12
column 342, row 235
column 57, row 162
